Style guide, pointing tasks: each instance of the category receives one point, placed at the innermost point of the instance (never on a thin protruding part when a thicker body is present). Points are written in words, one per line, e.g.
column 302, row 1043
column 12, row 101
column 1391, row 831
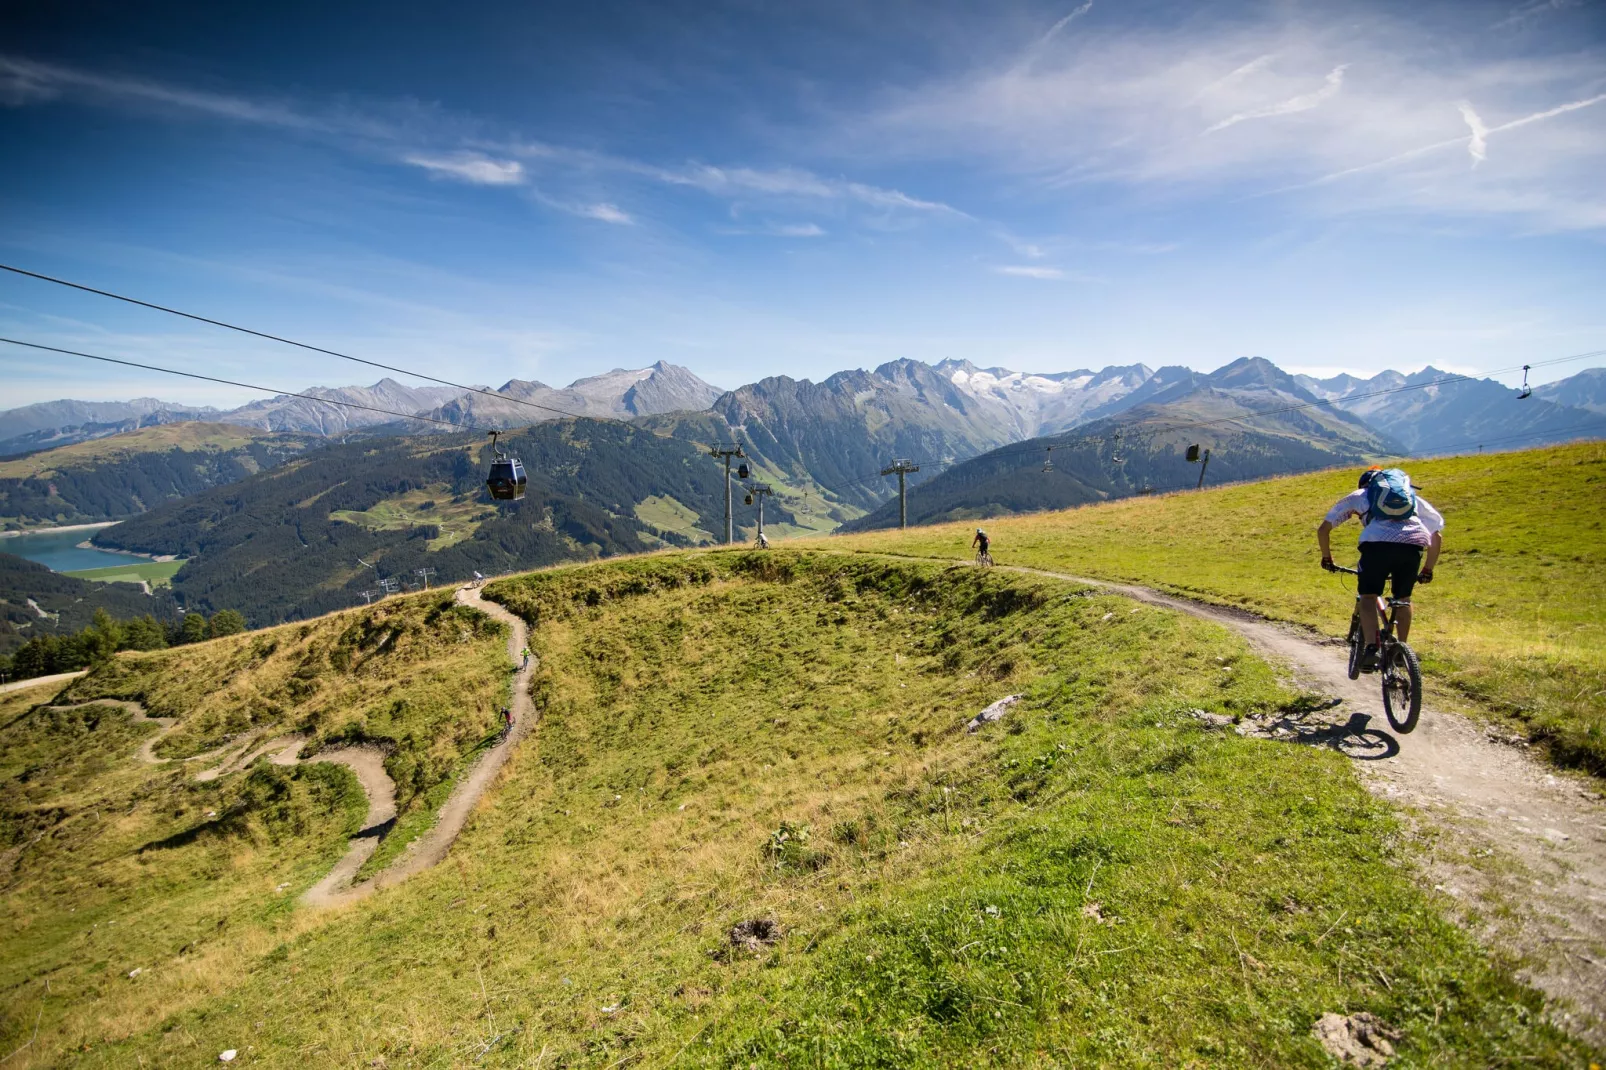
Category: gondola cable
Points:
column 506, row 479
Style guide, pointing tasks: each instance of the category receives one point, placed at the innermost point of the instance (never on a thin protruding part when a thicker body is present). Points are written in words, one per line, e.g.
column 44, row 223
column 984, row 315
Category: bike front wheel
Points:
column 1402, row 688
column 1356, row 646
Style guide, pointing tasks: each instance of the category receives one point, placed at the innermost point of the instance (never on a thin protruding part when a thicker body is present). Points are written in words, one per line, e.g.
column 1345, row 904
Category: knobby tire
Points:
column 1404, row 670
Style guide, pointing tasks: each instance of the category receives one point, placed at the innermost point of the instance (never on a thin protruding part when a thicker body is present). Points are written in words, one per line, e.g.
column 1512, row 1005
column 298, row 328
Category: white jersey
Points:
column 1417, row 531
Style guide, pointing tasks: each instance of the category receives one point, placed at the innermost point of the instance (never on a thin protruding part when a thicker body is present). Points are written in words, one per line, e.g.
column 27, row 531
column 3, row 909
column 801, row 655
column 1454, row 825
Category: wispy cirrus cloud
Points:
column 1226, row 104
column 24, row 82
column 471, row 167
column 1031, row 271
column 455, row 147
column 1477, row 142
column 1291, row 106
column 1053, row 31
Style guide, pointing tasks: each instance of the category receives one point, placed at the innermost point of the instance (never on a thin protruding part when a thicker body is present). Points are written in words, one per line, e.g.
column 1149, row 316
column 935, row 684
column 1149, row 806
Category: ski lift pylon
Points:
column 506, row 479
column 1526, row 389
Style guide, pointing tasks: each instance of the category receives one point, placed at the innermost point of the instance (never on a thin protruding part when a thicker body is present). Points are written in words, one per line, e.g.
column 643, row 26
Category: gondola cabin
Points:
column 506, row 479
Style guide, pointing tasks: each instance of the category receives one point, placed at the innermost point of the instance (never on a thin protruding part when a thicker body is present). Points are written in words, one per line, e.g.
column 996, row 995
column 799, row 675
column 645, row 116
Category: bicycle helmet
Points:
column 1369, row 475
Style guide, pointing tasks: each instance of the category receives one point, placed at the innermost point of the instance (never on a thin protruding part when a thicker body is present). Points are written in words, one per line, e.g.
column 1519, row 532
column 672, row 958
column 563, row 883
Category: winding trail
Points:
column 1487, row 797
column 430, row 848
column 368, row 763
column 40, row 681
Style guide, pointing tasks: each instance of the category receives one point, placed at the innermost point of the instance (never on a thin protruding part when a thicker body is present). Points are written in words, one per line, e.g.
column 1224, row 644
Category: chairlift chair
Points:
column 1115, row 454
column 1526, row 389
column 506, row 479
column 1048, row 459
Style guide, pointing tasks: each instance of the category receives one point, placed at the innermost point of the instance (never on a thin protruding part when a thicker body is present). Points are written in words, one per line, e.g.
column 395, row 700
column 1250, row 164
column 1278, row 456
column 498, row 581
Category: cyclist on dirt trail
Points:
column 980, row 542
column 1390, row 547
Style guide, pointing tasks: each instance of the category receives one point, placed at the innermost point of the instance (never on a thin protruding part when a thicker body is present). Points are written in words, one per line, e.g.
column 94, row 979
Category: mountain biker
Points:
column 980, row 542
column 1390, row 549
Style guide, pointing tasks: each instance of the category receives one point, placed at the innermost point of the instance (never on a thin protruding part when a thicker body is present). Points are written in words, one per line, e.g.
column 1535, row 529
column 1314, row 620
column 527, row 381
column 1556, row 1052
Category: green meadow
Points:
column 1514, row 621
column 770, row 741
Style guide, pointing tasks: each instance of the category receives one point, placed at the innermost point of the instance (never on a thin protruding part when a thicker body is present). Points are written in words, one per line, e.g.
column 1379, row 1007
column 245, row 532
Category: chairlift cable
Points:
column 247, row 386
column 333, row 353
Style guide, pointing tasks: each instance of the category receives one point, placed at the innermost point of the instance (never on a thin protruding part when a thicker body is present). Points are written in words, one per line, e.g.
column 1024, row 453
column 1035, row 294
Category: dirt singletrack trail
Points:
column 430, row 848
column 1520, row 845
column 40, row 681
column 368, row 763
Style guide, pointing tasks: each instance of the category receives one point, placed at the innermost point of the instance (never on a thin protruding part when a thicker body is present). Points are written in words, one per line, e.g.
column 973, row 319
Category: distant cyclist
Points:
column 1397, row 526
column 980, row 544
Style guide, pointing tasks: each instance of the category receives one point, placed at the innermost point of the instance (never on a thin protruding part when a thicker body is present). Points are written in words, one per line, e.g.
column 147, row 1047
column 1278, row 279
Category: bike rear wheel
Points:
column 1402, row 688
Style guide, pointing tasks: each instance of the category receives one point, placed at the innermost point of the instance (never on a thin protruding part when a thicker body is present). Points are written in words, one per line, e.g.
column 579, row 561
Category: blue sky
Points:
column 492, row 191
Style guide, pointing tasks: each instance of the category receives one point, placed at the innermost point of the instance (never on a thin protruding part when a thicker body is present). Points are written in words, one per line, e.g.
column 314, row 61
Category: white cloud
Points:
column 1478, row 143
column 607, row 213
column 1122, row 109
column 1303, row 102
column 472, row 168
column 24, row 81
column 798, row 230
column 442, row 144
column 1030, row 271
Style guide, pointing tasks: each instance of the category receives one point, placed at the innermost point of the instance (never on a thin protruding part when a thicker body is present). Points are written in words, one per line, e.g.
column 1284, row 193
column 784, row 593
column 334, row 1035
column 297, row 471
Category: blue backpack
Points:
column 1389, row 496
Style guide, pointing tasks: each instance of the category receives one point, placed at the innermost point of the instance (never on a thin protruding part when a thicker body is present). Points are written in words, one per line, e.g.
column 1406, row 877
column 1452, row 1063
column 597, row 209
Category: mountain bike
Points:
column 1396, row 663
column 983, row 558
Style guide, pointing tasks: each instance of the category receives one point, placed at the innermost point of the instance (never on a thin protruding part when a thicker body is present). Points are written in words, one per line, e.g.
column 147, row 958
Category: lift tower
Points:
column 726, row 452
column 901, row 467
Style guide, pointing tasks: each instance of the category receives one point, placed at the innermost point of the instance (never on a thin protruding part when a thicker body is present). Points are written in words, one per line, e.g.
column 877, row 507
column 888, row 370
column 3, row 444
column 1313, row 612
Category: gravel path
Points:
column 1520, row 845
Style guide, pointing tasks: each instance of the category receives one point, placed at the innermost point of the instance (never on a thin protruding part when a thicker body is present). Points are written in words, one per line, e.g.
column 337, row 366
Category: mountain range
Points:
column 621, row 393
column 281, row 525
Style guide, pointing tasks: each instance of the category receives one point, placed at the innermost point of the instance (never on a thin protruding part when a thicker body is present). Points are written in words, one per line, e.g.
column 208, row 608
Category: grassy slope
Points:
column 1097, row 880
column 158, row 439
column 156, row 573
column 108, row 864
column 1515, row 618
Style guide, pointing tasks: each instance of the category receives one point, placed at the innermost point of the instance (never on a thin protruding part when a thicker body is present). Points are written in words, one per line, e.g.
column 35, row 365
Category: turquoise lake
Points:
column 59, row 550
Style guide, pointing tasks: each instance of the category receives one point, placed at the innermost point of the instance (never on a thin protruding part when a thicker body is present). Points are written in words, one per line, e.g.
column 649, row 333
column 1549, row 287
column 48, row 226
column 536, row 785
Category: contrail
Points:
column 1538, row 116
column 1062, row 23
column 1304, row 102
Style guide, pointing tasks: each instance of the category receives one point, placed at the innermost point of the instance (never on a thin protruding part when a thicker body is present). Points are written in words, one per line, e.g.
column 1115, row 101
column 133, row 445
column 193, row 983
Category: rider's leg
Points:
column 1369, row 625
column 1405, row 570
column 1374, row 571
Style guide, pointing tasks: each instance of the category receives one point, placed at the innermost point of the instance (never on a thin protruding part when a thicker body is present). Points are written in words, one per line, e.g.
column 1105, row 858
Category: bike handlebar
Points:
column 1351, row 571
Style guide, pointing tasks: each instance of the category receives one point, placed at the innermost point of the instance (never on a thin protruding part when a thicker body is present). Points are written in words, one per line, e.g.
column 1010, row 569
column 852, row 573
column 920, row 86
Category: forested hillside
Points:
column 122, row 476
column 291, row 543
column 62, row 604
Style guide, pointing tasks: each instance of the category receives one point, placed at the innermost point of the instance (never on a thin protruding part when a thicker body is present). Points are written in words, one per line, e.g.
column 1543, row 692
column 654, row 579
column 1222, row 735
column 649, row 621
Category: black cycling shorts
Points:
column 1380, row 560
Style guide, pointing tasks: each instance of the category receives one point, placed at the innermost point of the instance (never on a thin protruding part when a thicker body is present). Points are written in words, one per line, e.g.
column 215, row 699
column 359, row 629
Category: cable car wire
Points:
column 331, row 353
column 1059, row 442
column 247, row 386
